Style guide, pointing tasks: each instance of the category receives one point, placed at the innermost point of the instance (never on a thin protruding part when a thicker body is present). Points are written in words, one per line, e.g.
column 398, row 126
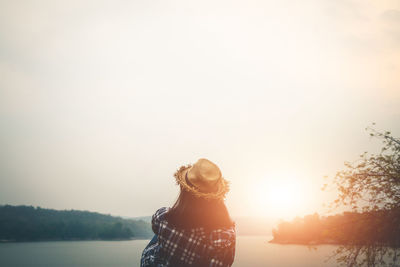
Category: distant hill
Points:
column 253, row 226
column 27, row 223
column 244, row 225
column 142, row 218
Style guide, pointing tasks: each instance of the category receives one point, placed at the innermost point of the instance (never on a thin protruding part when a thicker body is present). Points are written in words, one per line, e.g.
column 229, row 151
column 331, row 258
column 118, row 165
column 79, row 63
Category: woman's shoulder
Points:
column 158, row 218
column 161, row 212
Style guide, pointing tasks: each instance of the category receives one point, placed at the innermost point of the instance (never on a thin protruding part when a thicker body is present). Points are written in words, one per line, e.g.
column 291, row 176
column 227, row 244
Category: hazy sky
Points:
column 101, row 101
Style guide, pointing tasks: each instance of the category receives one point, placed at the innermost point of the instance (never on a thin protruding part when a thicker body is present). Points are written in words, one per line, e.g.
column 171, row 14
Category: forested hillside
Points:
column 27, row 223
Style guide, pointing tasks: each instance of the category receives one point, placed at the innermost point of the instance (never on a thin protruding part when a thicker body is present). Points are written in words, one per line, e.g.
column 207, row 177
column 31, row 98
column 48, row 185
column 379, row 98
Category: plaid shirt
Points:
column 190, row 247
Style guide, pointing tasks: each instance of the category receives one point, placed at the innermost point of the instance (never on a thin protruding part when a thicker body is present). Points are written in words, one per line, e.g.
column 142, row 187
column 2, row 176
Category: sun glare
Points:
column 280, row 196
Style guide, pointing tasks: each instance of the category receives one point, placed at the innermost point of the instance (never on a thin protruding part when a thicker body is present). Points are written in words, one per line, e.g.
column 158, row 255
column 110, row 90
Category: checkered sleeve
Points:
column 157, row 218
column 224, row 245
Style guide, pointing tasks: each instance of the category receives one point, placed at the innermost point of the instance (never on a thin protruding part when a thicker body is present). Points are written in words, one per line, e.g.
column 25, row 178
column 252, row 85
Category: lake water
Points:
column 251, row 251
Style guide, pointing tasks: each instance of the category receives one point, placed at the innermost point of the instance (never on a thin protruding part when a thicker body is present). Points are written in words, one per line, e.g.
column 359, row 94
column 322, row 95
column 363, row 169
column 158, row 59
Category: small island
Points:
column 348, row 228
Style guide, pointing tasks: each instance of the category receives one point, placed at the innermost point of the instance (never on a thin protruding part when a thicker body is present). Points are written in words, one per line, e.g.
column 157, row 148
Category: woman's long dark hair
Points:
column 190, row 211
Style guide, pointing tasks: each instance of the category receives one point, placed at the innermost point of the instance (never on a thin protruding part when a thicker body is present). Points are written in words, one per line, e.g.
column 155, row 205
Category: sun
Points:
column 280, row 195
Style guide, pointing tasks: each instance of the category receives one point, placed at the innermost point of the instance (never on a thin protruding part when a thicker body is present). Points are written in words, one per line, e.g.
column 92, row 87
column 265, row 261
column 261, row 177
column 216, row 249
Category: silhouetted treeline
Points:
column 27, row 223
column 382, row 226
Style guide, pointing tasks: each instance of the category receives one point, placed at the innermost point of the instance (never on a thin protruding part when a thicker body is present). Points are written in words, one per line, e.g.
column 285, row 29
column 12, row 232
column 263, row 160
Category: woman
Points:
column 197, row 230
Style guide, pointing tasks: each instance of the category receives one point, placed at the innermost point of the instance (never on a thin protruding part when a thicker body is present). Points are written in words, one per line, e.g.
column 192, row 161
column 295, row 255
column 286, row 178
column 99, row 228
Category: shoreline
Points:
column 311, row 243
column 70, row 240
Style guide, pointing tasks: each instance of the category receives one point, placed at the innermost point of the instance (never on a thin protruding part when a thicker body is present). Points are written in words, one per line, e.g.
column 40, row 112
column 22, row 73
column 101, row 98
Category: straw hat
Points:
column 203, row 179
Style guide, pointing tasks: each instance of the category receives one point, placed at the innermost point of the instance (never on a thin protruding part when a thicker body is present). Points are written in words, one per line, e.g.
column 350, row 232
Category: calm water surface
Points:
column 251, row 251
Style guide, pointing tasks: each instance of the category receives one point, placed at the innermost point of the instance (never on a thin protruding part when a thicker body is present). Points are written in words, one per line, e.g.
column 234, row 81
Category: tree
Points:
column 371, row 185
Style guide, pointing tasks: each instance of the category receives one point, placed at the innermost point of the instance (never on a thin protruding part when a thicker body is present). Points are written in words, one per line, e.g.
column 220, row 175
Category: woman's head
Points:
column 201, row 199
column 190, row 211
